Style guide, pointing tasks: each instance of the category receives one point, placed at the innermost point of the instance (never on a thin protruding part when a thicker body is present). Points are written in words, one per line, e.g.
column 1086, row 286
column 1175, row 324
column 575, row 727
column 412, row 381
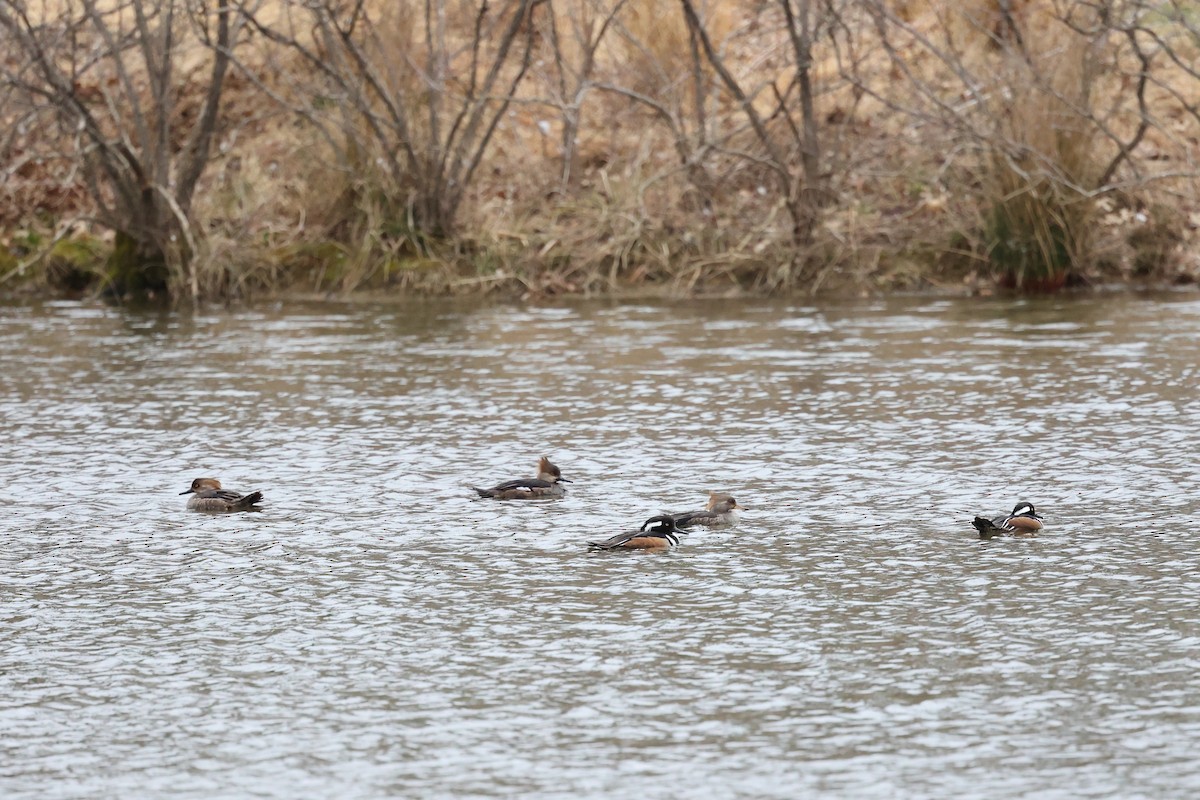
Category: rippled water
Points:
column 378, row 632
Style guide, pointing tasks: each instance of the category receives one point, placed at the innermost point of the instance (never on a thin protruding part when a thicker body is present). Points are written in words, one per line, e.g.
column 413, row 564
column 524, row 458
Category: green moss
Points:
column 134, row 270
column 8, row 261
column 82, row 251
column 75, row 264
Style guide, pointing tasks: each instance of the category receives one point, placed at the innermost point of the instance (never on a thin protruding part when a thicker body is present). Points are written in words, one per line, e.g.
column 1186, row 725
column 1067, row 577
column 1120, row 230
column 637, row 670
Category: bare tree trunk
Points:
column 800, row 193
column 575, row 80
column 800, row 32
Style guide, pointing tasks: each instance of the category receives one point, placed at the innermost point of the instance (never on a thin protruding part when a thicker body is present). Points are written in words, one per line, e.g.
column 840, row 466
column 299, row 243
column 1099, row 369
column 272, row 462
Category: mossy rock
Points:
column 75, row 264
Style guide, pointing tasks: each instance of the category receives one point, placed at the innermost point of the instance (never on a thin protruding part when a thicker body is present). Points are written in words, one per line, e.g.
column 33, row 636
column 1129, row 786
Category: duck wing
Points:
column 693, row 518
column 219, row 494
column 615, row 541
column 522, row 483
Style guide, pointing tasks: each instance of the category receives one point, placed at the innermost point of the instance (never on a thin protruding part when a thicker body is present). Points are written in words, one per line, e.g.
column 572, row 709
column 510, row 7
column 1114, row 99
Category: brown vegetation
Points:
column 596, row 145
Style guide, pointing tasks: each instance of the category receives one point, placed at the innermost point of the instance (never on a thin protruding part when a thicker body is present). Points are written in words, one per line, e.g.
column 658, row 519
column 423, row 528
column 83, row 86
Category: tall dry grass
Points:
column 1021, row 131
column 958, row 141
column 1039, row 175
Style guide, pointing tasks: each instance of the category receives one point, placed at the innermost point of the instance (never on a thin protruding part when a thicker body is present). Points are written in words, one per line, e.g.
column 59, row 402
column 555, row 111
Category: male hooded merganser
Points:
column 209, row 496
column 547, row 485
column 722, row 510
column 1023, row 521
column 661, row 536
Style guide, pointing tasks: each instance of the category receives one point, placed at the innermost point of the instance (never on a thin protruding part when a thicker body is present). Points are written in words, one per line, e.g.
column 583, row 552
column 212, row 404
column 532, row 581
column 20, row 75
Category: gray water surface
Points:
column 379, row 632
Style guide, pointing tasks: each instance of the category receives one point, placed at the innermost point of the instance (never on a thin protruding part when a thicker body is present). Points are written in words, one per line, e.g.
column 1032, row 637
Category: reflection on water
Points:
column 379, row 632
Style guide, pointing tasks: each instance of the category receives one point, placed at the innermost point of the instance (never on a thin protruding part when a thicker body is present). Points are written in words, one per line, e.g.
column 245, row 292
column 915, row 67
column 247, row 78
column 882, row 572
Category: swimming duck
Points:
column 209, row 496
column 1023, row 521
column 721, row 510
column 656, row 533
column 546, row 486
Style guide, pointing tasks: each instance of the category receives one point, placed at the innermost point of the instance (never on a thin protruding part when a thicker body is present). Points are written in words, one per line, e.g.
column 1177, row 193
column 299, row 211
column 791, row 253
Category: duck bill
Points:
column 189, row 491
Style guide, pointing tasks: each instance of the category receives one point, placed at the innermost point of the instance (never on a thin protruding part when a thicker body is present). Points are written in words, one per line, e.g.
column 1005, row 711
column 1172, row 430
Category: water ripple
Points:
column 377, row 631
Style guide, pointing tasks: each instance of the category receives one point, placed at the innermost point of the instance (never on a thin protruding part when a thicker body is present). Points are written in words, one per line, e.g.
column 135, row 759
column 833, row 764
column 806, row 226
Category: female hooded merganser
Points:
column 547, row 485
column 1023, row 521
column 209, row 496
column 659, row 537
column 722, row 510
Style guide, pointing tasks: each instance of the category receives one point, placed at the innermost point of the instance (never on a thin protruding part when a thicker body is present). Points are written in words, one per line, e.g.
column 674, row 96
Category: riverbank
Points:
column 964, row 148
column 75, row 268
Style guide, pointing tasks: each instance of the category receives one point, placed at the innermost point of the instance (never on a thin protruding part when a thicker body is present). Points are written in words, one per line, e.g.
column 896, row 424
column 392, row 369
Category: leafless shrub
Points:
column 116, row 100
column 1041, row 109
column 408, row 95
column 587, row 144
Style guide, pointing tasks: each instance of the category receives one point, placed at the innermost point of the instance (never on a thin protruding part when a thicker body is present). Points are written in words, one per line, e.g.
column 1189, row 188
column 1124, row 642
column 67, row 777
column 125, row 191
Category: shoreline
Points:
column 32, row 291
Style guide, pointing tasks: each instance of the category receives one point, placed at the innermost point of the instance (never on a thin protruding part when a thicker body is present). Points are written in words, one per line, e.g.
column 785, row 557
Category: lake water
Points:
column 379, row 632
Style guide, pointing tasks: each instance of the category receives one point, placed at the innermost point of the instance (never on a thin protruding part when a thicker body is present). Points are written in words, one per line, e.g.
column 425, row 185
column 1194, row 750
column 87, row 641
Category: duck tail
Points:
column 985, row 527
column 483, row 492
column 247, row 503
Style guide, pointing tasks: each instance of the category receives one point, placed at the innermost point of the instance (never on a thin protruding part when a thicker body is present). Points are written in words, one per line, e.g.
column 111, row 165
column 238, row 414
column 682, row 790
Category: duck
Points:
column 209, row 496
column 722, row 510
column 1023, row 521
column 656, row 533
column 548, row 485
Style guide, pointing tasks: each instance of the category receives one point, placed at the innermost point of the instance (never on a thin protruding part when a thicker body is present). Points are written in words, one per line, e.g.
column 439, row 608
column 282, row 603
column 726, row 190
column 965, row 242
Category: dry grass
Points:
column 654, row 53
column 932, row 182
column 1042, row 167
